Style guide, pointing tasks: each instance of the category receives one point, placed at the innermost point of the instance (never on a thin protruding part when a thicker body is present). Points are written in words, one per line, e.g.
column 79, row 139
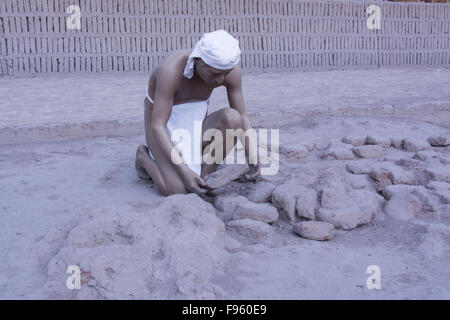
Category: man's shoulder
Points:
column 234, row 78
column 173, row 66
column 176, row 60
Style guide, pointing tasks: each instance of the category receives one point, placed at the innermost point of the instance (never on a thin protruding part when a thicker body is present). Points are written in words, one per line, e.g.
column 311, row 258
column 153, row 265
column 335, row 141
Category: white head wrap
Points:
column 218, row 49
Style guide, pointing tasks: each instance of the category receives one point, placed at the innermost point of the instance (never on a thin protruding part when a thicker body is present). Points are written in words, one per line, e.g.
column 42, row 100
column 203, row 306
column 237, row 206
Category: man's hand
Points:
column 193, row 182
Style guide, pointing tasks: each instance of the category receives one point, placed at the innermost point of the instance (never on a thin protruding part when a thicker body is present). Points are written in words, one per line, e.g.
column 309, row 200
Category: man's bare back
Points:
column 187, row 90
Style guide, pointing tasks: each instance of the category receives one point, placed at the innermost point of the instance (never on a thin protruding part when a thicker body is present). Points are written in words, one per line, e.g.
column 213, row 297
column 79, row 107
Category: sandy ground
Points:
column 46, row 187
column 67, row 147
column 69, row 106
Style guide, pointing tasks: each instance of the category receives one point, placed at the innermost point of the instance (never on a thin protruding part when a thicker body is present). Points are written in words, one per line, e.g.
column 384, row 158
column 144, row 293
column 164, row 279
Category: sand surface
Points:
column 48, row 189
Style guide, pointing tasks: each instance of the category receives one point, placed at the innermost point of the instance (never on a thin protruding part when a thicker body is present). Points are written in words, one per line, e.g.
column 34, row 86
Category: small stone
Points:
column 260, row 192
column 367, row 201
column 315, row 230
column 368, row 151
column 441, row 173
column 234, row 187
column 375, row 140
column 250, row 228
column 403, row 204
column 397, row 143
column 355, row 141
column 389, row 191
column 382, row 177
column 346, row 218
column 229, row 203
column 227, row 174
column 414, row 145
column 360, row 207
column 442, row 189
column 256, row 211
column 436, row 185
column 337, row 152
column 432, row 157
column 332, row 193
column 359, row 181
column 439, row 141
column 306, row 203
column 426, row 155
column 399, row 176
column 428, row 199
column 404, row 207
column 284, row 197
column 407, row 163
column 359, row 167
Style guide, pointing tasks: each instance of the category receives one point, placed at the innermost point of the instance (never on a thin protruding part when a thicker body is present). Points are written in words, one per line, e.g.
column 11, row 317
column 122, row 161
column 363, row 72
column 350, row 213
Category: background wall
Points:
column 134, row 35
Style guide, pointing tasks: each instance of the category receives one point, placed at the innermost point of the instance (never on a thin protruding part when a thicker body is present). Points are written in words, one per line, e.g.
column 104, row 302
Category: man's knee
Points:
column 232, row 118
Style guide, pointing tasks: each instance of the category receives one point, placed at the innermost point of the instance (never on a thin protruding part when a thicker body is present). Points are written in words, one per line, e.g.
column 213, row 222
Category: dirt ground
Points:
column 46, row 187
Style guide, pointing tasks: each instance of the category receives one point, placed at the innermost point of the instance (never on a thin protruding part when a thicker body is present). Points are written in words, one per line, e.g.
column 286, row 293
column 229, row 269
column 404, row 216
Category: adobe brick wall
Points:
column 134, row 35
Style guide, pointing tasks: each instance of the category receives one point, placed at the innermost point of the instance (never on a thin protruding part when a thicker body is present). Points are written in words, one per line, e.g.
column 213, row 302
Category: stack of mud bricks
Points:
column 274, row 35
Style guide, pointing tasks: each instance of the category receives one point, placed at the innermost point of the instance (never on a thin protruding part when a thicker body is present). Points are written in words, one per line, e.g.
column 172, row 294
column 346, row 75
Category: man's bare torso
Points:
column 187, row 90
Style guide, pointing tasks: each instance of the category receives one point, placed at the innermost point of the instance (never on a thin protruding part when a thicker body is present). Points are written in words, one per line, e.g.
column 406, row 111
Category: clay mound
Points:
column 172, row 252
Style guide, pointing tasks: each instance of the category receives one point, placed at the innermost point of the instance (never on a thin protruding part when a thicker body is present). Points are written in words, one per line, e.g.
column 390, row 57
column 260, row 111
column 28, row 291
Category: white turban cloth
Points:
column 218, row 49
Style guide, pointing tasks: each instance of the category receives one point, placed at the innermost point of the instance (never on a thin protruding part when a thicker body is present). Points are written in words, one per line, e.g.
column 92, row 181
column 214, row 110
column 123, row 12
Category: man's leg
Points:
column 226, row 118
column 161, row 170
column 145, row 164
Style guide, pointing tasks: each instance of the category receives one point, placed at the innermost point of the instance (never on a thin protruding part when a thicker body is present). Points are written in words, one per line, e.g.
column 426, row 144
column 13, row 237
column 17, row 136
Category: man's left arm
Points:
column 233, row 84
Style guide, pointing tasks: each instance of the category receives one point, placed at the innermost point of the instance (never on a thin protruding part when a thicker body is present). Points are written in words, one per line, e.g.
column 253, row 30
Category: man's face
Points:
column 210, row 75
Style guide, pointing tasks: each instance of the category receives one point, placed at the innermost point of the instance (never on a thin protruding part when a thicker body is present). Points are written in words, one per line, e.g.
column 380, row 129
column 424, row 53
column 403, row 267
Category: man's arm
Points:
column 233, row 83
column 167, row 83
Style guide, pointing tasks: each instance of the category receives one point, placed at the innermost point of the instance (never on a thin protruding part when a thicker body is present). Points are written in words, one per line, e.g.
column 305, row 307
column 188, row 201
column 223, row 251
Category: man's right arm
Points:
column 162, row 108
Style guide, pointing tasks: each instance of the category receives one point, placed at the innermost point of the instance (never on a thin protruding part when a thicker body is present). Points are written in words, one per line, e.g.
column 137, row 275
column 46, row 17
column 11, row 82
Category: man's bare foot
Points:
column 253, row 173
column 141, row 153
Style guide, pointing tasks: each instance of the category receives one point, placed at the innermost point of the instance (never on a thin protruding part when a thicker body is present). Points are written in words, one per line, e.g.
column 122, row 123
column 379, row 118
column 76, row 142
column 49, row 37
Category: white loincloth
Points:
column 184, row 116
